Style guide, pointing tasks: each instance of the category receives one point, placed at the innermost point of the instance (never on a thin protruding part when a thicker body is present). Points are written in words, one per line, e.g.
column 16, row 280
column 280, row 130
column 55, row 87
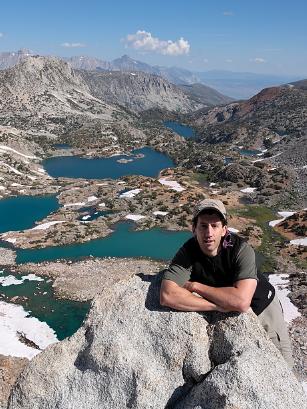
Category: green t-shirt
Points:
column 224, row 269
column 234, row 262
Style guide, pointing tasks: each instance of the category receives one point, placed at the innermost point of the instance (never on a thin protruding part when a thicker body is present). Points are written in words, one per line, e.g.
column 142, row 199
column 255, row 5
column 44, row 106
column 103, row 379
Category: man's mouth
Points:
column 208, row 241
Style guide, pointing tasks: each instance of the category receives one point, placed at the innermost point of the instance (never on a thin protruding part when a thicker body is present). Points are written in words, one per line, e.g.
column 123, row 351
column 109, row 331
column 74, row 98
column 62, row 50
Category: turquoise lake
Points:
column 182, row 130
column 102, row 168
column 124, row 242
column 19, row 213
column 64, row 316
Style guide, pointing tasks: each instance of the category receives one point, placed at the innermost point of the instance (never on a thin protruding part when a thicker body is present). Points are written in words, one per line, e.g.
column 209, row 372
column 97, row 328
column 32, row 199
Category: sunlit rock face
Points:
column 133, row 353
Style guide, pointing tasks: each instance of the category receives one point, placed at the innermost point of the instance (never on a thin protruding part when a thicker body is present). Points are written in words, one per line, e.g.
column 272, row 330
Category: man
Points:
column 216, row 271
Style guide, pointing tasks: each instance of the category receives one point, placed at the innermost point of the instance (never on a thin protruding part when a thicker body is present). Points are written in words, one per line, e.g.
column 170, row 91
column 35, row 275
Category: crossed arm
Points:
column 224, row 299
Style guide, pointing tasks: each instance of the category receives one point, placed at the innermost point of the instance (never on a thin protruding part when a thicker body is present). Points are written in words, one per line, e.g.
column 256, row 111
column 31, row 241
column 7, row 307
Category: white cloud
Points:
column 73, row 45
column 1, row 35
column 228, row 60
column 205, row 60
column 257, row 60
column 144, row 41
column 228, row 13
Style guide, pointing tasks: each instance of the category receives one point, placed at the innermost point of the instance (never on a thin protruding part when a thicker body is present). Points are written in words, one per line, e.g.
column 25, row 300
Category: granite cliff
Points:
column 138, row 91
column 133, row 353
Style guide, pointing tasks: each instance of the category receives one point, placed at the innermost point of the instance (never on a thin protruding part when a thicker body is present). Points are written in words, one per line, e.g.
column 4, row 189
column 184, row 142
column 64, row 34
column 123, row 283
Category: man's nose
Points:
column 209, row 230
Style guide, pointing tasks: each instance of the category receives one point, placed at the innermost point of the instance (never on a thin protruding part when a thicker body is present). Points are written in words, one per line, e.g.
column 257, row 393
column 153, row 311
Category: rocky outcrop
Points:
column 138, row 91
column 10, row 368
column 47, row 94
column 132, row 353
column 7, row 257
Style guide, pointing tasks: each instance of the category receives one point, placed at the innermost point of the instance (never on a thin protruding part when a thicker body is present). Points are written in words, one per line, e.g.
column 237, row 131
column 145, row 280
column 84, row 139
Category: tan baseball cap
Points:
column 210, row 204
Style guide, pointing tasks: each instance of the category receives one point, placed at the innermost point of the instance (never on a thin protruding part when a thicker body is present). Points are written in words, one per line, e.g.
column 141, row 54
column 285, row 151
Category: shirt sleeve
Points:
column 180, row 268
column 245, row 263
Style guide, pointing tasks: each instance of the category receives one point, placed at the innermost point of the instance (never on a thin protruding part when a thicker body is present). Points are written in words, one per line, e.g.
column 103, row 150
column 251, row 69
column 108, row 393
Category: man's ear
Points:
column 225, row 230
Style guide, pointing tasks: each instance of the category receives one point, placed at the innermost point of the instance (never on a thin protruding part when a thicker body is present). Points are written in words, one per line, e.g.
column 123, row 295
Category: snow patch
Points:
column 286, row 214
column 92, row 198
column 233, row 230
column 159, row 213
column 14, row 320
column 248, row 190
column 134, row 217
column 74, row 204
column 299, row 242
column 45, row 226
column 172, row 184
column 280, row 282
column 11, row 240
column 10, row 280
column 130, row 193
column 32, row 277
column 273, row 223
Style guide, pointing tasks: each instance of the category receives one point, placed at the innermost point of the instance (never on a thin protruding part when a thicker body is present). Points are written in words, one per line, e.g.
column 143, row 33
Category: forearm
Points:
column 229, row 298
column 183, row 300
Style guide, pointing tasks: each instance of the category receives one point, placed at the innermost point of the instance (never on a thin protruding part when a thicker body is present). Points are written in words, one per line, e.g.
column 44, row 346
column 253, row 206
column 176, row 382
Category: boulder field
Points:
column 133, row 353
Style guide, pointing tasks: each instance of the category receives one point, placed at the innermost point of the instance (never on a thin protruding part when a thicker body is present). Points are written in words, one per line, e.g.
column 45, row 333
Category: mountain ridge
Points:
column 234, row 84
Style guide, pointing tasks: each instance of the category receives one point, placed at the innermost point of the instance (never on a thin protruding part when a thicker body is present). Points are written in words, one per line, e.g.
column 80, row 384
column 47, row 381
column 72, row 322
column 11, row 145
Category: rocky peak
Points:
column 9, row 59
column 126, row 63
column 43, row 92
column 24, row 52
column 37, row 72
column 266, row 96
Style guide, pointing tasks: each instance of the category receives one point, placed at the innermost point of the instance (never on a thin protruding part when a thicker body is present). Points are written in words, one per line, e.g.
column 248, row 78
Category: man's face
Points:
column 209, row 231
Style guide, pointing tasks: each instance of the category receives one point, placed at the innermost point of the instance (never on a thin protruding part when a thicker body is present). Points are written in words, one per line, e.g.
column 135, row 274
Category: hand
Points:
column 190, row 286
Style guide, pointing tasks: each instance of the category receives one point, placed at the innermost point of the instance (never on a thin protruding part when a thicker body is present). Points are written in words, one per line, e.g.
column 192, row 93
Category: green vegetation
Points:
column 270, row 239
column 203, row 177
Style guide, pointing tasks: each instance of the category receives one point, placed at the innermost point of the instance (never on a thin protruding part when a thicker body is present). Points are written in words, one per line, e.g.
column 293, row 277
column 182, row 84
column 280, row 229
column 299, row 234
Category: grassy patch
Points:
column 202, row 177
column 270, row 238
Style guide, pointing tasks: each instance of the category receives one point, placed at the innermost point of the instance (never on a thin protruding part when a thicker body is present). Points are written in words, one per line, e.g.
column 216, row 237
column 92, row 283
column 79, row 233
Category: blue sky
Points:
column 238, row 35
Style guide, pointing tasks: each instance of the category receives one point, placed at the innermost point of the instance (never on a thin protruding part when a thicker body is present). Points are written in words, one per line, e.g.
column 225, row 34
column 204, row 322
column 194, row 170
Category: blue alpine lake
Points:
column 36, row 297
column 19, row 213
column 182, row 130
column 145, row 161
column 124, row 242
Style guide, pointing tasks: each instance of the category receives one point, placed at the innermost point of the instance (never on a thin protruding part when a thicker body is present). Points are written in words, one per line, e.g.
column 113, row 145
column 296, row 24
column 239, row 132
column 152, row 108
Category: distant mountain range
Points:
column 237, row 85
column 47, row 93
